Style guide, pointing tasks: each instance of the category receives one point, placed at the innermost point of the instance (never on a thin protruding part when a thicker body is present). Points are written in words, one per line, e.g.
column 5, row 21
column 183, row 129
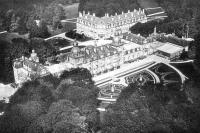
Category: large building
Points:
column 107, row 26
column 99, row 58
column 100, row 55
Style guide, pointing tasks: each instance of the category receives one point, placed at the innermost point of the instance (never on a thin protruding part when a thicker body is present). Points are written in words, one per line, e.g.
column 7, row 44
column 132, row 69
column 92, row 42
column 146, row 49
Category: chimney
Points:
column 139, row 9
column 115, row 14
column 80, row 14
column 88, row 13
column 107, row 15
column 131, row 14
column 83, row 13
column 23, row 58
column 125, row 15
column 94, row 14
column 122, row 12
column 135, row 10
column 128, row 11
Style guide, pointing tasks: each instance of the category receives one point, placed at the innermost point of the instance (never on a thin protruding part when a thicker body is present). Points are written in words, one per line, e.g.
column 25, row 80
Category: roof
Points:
column 152, row 11
column 31, row 64
column 95, row 42
column 134, row 38
column 132, row 46
column 106, row 20
column 170, row 48
column 58, row 68
column 160, row 15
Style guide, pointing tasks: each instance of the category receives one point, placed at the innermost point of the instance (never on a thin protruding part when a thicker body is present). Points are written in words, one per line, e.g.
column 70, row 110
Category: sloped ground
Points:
column 71, row 10
column 148, row 3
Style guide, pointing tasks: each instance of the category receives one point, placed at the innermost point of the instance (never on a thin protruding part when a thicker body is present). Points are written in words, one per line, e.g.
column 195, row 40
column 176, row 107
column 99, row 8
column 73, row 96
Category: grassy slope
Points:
column 147, row 3
column 71, row 10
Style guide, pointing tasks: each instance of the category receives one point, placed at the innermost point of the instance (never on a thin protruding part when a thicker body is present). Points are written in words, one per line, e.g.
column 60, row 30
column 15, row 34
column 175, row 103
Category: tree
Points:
column 14, row 23
column 197, row 20
column 13, row 121
column 43, row 30
column 18, row 48
column 77, row 87
column 42, row 48
column 197, row 56
column 62, row 115
column 7, row 20
column 32, row 27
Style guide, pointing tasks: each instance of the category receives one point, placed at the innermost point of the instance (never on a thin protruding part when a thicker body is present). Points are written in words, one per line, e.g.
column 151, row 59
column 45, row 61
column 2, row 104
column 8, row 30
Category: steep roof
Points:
column 133, row 38
column 112, row 19
column 153, row 11
column 170, row 48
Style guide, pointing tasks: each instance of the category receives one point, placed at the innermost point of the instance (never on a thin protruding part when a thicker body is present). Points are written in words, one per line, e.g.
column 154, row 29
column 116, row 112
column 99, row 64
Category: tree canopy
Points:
column 54, row 105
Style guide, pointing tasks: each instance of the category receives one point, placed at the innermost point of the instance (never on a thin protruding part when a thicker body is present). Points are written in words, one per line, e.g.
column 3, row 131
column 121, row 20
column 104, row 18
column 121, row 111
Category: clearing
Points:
column 148, row 3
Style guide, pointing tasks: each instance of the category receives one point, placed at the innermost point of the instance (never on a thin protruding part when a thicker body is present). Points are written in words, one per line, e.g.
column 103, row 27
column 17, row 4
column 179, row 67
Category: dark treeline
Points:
column 17, row 14
column 53, row 105
column 153, row 109
column 18, row 47
column 100, row 7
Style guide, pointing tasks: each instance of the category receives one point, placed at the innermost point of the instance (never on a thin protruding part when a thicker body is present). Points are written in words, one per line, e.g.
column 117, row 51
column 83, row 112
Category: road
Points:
column 62, row 35
column 3, row 32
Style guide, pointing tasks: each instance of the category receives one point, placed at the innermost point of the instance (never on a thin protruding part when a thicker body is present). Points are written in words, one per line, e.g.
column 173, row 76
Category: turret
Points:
column 34, row 56
column 155, row 30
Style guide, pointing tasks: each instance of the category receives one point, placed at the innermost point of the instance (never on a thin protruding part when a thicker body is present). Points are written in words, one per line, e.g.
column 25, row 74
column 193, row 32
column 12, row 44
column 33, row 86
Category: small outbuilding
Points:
column 170, row 51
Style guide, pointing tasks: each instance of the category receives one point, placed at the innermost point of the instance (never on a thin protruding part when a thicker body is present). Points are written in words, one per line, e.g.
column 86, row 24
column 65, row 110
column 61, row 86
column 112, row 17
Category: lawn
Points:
column 148, row 3
column 71, row 10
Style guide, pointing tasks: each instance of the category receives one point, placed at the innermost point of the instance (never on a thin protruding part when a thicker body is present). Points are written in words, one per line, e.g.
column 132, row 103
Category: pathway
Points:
column 3, row 32
column 182, row 62
column 62, row 35
column 71, row 20
column 183, row 77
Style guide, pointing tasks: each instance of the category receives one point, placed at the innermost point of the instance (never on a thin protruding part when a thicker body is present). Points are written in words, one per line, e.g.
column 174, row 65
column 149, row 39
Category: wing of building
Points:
column 107, row 26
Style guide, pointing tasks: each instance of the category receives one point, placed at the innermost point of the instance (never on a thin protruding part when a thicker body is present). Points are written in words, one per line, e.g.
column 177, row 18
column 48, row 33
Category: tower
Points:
column 20, row 74
column 155, row 30
column 34, row 56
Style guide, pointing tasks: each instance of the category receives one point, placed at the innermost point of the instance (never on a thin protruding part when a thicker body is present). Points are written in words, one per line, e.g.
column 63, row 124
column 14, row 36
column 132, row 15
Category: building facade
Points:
column 28, row 68
column 100, row 59
column 106, row 27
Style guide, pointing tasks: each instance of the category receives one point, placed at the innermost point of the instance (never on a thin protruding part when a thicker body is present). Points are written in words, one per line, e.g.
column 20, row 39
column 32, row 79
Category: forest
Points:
column 53, row 105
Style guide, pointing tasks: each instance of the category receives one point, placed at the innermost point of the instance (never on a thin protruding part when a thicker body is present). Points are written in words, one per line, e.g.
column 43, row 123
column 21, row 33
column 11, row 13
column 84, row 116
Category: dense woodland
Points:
column 154, row 109
column 100, row 7
column 53, row 105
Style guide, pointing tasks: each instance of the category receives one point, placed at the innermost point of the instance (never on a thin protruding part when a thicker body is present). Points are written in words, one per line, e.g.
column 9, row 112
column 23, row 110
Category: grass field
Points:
column 148, row 3
column 71, row 10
